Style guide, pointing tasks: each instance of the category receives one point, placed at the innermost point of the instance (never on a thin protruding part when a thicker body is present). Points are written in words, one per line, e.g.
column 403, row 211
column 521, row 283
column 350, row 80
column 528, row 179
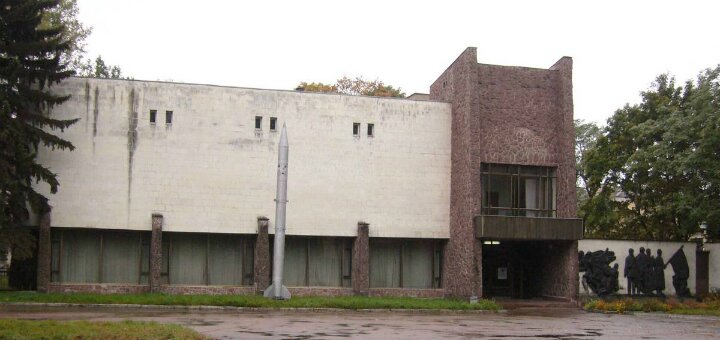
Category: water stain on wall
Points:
column 131, row 143
column 95, row 117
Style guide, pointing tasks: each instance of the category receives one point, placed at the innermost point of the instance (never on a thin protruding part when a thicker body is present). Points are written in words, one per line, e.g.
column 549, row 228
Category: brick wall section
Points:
column 502, row 114
column 156, row 252
column 261, row 267
column 361, row 261
column 44, row 254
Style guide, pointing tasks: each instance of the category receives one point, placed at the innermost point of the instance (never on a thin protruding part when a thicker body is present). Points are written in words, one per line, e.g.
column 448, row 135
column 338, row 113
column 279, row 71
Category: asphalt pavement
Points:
column 520, row 323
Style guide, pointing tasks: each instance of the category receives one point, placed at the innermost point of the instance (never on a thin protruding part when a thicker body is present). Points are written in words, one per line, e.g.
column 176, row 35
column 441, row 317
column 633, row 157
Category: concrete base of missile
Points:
column 270, row 293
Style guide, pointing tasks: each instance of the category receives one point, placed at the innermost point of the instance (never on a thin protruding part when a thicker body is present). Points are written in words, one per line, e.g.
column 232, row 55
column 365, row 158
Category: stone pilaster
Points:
column 261, row 266
column 361, row 261
column 572, row 267
column 156, row 252
column 44, row 254
column 702, row 273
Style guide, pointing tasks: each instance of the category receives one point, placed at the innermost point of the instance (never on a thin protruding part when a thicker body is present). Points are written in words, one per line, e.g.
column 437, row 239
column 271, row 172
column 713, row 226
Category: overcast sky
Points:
column 618, row 47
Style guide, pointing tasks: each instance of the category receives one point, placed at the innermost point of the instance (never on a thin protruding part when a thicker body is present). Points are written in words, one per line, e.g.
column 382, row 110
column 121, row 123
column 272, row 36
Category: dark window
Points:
column 99, row 256
column 356, row 129
column 55, row 249
column 317, row 262
column 258, row 122
column 168, row 117
column 273, row 123
column 405, row 264
column 371, row 130
column 145, row 258
column 207, row 259
column 517, row 190
column 153, row 116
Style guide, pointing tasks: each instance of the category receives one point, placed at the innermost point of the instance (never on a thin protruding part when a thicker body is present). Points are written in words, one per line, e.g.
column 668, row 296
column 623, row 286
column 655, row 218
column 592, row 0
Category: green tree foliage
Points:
column 316, row 87
column 354, row 86
column 99, row 69
column 664, row 156
column 30, row 62
column 598, row 208
column 586, row 133
column 65, row 15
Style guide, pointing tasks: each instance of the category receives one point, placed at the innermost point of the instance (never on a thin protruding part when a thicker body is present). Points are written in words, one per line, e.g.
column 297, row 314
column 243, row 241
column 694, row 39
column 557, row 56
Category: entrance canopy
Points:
column 528, row 228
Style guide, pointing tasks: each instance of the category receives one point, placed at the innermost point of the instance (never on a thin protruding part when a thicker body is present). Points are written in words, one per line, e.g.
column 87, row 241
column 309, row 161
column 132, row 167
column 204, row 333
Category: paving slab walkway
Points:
column 520, row 323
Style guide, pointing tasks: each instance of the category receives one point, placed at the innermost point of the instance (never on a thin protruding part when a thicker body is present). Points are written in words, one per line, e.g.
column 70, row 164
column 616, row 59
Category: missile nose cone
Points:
column 283, row 137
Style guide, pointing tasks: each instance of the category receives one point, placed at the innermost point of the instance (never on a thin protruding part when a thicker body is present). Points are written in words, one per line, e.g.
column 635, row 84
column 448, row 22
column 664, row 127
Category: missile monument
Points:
column 277, row 290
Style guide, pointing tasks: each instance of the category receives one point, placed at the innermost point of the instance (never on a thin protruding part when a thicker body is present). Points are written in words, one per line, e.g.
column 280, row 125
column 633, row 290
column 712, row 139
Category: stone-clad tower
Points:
column 521, row 117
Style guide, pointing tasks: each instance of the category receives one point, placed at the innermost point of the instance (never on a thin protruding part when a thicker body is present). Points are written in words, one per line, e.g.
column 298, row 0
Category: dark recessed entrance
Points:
column 512, row 268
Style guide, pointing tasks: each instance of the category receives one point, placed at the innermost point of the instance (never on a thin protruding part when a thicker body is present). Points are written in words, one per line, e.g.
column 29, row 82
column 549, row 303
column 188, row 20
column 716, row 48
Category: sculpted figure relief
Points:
column 645, row 273
column 682, row 272
column 659, row 274
column 631, row 273
column 600, row 277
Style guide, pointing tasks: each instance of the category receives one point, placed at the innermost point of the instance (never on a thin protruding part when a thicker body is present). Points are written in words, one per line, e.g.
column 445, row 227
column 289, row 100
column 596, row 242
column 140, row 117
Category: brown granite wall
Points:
column 567, row 198
column 501, row 114
column 237, row 290
column 261, row 267
column 320, row 291
column 98, row 288
column 457, row 85
column 361, row 261
column 408, row 292
column 571, row 268
column 138, row 289
column 156, row 252
column 207, row 290
column 44, row 254
column 559, row 270
column 527, row 118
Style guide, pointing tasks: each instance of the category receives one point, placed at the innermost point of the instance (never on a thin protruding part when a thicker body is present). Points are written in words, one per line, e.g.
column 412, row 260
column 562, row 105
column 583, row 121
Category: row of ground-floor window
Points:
column 124, row 261
column 111, row 256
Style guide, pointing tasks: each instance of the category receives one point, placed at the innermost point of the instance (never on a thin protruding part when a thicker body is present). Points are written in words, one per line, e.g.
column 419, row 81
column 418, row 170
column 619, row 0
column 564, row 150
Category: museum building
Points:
column 466, row 191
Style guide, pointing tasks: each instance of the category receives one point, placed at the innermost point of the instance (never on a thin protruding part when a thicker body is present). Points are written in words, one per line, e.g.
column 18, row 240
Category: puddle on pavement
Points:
column 544, row 312
column 199, row 322
column 257, row 333
column 535, row 336
column 330, row 335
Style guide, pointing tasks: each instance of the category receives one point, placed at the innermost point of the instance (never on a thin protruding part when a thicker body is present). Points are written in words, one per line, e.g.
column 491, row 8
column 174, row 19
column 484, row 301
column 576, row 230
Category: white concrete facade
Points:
column 212, row 171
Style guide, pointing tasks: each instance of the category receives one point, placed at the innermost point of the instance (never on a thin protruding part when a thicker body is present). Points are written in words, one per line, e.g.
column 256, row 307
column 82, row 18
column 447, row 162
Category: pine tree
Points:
column 30, row 62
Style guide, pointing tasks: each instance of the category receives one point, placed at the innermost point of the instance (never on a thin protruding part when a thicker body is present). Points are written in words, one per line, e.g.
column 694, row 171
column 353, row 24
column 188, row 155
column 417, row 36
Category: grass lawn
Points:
column 710, row 306
column 345, row 302
column 43, row 329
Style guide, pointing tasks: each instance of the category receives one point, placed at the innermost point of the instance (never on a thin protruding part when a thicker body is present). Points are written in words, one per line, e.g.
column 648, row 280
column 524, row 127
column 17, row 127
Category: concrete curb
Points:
column 242, row 309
